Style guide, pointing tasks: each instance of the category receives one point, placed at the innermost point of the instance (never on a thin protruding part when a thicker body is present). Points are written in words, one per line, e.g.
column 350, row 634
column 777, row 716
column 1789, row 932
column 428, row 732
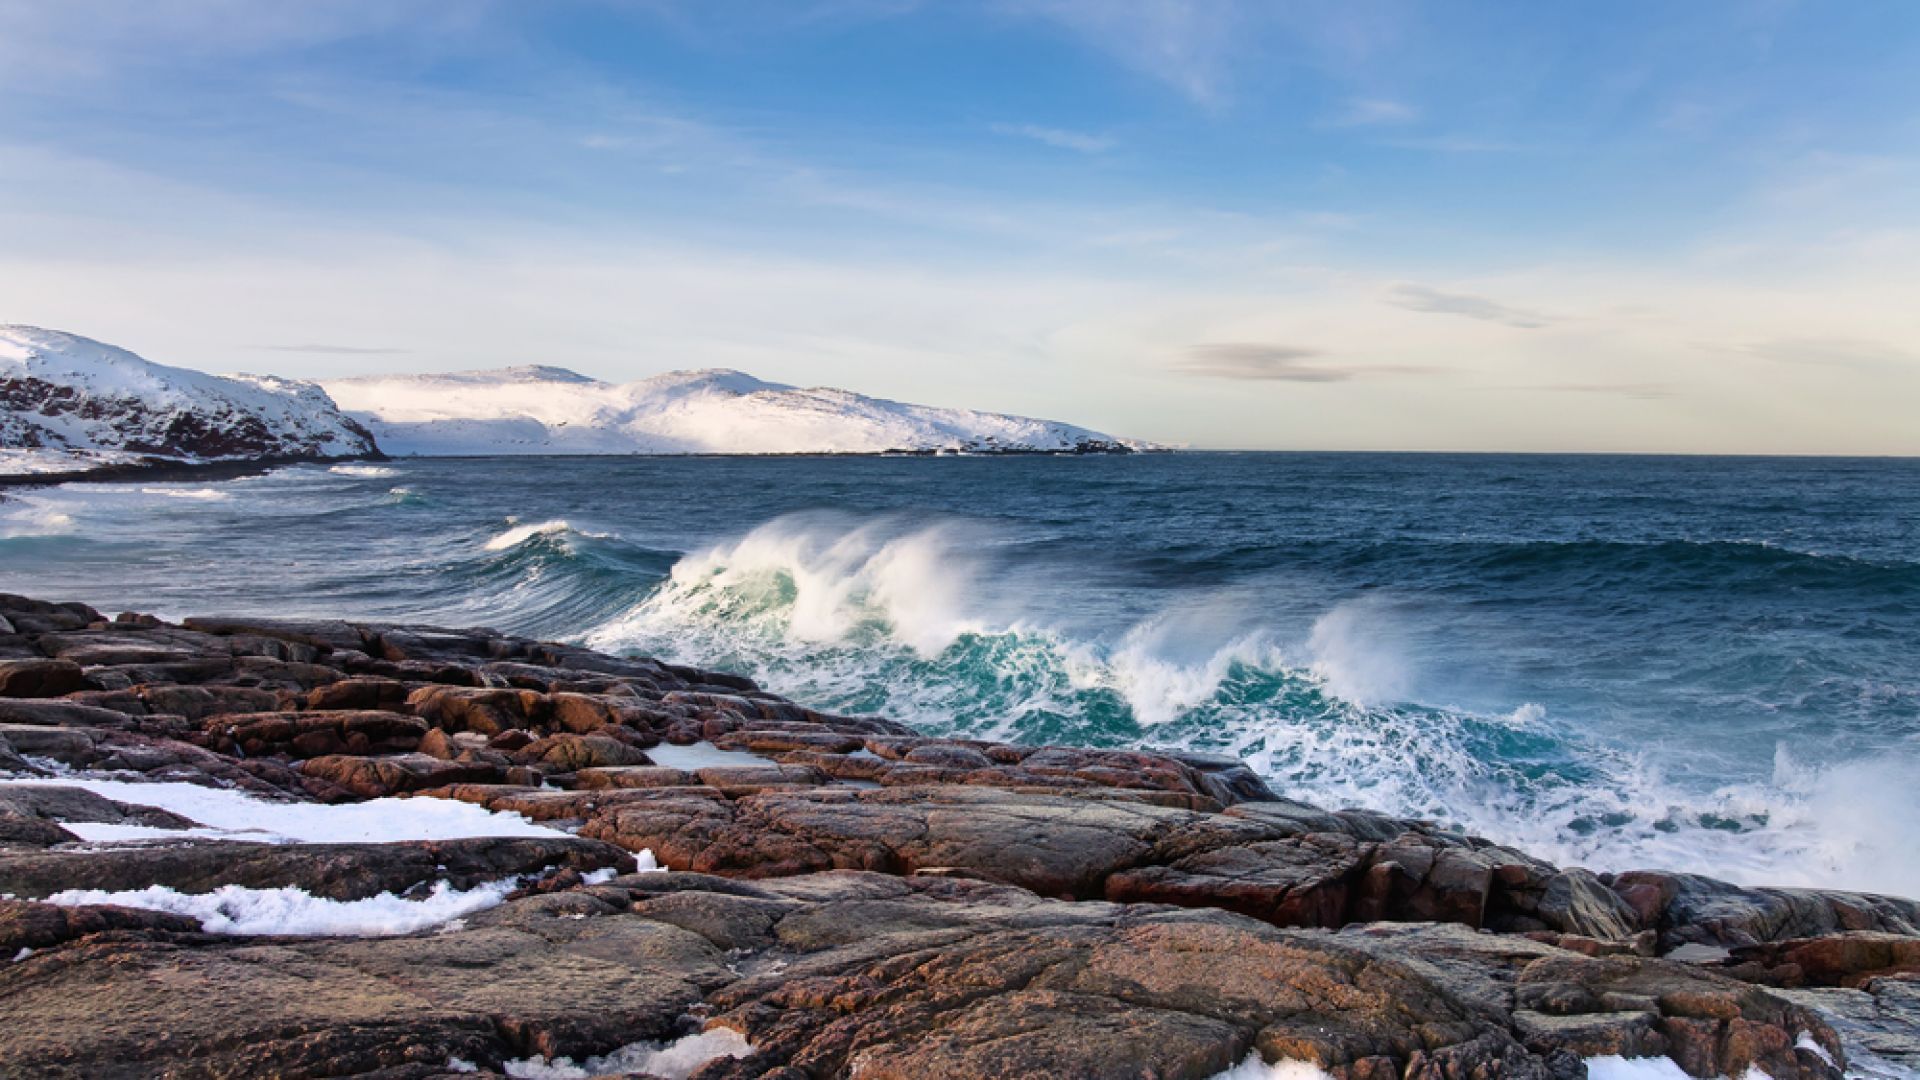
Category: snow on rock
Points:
column 238, row 909
column 235, row 815
column 548, row 410
column 676, row 1060
column 1253, row 1068
column 68, row 403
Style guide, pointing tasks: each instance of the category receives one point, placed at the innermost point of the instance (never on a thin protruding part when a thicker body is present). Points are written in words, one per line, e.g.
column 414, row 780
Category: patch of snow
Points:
column 237, row 909
column 228, row 814
column 22, row 955
column 701, row 755
column 544, row 410
column 1253, row 1068
column 461, row 1065
column 77, row 404
column 1806, row 1042
column 676, row 1060
column 1615, row 1067
column 645, row 863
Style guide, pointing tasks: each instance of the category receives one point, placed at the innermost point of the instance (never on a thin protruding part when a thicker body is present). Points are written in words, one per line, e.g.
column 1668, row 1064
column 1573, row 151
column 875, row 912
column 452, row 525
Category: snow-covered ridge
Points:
column 68, row 403
column 548, row 410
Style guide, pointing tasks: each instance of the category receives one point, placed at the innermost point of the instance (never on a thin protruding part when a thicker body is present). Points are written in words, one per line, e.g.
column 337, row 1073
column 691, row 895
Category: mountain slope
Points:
column 68, row 403
column 546, row 410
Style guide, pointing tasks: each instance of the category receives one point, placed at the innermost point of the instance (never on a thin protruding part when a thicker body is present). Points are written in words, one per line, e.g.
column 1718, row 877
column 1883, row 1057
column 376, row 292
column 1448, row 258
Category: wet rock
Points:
column 316, row 734
column 55, row 713
column 322, row 634
column 38, row 678
column 570, row 753
column 1709, row 1024
column 333, row 871
column 633, row 776
column 377, row 777
column 1848, row 959
column 1690, row 909
column 28, row 925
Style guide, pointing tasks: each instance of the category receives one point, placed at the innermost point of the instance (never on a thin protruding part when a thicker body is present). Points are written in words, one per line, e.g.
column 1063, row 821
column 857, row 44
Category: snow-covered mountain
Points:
column 548, row 410
column 69, row 403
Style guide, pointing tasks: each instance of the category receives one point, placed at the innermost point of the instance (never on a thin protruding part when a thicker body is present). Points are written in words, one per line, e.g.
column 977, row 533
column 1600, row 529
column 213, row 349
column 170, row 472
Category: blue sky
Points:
column 1401, row 225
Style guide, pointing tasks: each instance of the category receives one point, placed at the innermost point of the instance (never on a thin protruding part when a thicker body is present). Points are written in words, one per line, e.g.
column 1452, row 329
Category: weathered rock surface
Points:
column 851, row 896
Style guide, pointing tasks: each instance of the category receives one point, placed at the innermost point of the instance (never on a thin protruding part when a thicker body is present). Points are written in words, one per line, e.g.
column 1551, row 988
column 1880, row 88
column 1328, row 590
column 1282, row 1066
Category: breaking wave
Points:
column 920, row 621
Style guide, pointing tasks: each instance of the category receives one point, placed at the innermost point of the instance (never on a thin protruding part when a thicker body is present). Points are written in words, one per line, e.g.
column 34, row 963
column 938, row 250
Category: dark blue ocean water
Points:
column 1700, row 663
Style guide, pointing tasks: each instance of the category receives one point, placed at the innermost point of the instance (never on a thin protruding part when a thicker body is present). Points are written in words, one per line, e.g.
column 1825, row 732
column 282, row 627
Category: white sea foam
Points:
column 202, row 494
column 818, row 580
column 372, row 472
column 236, row 909
column 1253, row 1068
column 236, row 815
column 519, row 534
column 676, row 1060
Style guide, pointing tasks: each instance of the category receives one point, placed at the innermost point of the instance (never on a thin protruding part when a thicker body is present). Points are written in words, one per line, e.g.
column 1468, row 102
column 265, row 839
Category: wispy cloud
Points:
column 1846, row 352
column 1263, row 362
column 1421, row 298
column 1061, row 138
column 1186, row 44
column 1374, row 112
column 1638, row 391
column 1455, row 144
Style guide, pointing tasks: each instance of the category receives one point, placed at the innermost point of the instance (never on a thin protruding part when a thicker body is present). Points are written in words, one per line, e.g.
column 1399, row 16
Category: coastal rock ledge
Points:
column 842, row 897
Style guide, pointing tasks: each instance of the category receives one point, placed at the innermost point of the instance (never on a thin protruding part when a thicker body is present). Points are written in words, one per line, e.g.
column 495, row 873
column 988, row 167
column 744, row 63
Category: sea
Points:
column 1690, row 663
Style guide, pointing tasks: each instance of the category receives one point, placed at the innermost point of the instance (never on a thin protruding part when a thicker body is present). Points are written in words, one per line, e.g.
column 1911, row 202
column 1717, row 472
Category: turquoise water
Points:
column 1709, row 664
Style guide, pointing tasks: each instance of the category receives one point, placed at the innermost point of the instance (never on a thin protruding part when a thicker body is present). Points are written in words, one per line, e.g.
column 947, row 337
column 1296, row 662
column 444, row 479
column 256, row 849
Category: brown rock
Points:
column 38, row 678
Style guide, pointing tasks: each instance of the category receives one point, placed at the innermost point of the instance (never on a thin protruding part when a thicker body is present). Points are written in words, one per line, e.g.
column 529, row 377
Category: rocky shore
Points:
column 841, row 896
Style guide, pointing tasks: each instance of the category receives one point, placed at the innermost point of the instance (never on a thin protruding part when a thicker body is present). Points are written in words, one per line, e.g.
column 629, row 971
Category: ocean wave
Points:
column 518, row 534
column 201, row 494
column 370, row 472
column 892, row 616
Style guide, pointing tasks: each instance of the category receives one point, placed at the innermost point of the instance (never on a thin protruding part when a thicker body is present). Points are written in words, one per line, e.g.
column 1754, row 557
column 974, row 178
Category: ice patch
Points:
column 237, row 909
column 701, row 755
column 676, row 1060
column 1255, row 1069
column 235, row 815
column 1614, row 1067
column 1806, row 1042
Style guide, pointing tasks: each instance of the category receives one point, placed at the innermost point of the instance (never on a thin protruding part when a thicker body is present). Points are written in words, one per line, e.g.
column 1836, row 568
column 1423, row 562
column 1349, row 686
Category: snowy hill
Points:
column 547, row 410
column 68, row 404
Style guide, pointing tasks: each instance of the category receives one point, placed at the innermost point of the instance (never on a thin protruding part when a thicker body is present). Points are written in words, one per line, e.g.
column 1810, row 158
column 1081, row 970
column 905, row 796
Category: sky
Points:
column 1324, row 224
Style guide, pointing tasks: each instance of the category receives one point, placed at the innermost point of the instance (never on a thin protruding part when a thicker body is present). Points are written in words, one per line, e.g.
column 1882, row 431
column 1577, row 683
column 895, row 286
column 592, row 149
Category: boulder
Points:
column 38, row 678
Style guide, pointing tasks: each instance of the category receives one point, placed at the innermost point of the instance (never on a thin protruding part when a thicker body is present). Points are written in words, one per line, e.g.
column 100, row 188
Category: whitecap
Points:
column 371, row 472
column 519, row 534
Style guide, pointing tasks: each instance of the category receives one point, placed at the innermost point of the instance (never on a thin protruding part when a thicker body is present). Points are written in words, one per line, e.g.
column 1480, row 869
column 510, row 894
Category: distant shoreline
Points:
column 161, row 469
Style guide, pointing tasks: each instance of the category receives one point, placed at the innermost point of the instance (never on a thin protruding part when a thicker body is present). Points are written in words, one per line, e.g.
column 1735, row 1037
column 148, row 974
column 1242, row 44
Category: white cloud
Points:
column 1375, row 112
column 1062, row 138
